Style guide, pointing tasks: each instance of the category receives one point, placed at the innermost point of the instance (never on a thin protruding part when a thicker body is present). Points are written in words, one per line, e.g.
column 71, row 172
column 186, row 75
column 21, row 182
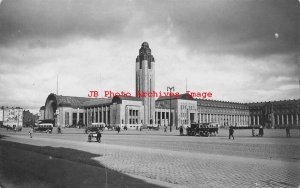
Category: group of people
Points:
column 260, row 131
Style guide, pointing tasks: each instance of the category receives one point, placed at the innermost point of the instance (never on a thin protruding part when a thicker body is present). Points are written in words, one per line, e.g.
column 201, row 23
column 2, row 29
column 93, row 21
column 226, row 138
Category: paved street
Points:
column 170, row 160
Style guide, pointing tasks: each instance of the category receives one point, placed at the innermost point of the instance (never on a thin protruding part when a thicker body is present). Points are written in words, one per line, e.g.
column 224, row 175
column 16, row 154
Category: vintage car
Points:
column 43, row 127
column 202, row 129
column 96, row 135
column 94, row 127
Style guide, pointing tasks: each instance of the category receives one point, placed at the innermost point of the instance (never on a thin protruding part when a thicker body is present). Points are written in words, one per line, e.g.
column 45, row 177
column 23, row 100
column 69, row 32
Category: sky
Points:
column 240, row 50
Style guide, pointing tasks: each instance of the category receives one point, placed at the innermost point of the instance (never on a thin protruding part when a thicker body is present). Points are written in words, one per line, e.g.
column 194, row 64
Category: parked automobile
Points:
column 96, row 135
column 43, row 127
column 94, row 127
column 202, row 129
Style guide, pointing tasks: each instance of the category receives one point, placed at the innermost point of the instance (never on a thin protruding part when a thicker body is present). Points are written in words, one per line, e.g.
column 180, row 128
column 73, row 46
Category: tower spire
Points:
column 145, row 82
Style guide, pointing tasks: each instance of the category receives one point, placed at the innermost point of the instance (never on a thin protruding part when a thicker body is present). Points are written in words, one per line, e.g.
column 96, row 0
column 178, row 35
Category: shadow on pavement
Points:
column 23, row 165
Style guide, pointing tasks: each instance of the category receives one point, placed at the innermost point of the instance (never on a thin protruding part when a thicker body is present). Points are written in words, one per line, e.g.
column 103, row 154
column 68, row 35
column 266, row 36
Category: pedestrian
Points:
column 181, row 130
column 59, row 130
column 253, row 131
column 98, row 136
column 30, row 132
column 261, row 131
column 287, row 129
column 231, row 131
column 118, row 129
column 165, row 129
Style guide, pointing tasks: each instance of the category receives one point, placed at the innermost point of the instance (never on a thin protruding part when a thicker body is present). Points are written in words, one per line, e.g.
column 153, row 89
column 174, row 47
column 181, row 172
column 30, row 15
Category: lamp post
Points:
column 171, row 89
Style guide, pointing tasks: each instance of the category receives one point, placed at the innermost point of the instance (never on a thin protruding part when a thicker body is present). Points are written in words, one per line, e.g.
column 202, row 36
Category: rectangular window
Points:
column 149, row 64
column 74, row 117
column 66, row 118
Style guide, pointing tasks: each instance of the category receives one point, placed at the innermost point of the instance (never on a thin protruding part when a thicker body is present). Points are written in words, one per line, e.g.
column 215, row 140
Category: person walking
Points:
column 98, row 136
column 30, row 132
column 253, row 131
column 261, row 131
column 181, row 130
column 287, row 129
column 231, row 131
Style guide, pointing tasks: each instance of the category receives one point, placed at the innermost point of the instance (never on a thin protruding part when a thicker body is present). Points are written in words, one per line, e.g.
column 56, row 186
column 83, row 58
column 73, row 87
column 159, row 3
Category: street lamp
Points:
column 171, row 89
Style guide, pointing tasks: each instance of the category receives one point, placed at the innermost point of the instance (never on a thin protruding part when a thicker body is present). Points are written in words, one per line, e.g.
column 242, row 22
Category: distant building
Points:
column 181, row 110
column 11, row 116
column 277, row 114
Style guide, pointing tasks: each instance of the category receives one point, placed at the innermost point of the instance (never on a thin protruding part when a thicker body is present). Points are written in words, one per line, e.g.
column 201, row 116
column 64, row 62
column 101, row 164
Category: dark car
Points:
column 96, row 135
column 202, row 129
column 94, row 127
column 43, row 127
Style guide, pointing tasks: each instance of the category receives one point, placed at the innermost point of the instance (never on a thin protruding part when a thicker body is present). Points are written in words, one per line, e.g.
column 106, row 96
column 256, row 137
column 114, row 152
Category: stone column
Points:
column 257, row 120
column 240, row 119
column 102, row 114
column 292, row 119
column 297, row 119
column 87, row 116
column 106, row 114
column 282, row 119
column 98, row 113
column 84, row 116
column 77, row 116
column 287, row 119
column 160, row 118
column 234, row 119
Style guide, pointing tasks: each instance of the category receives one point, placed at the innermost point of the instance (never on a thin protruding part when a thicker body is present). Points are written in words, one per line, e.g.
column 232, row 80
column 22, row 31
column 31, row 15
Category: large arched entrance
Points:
column 50, row 108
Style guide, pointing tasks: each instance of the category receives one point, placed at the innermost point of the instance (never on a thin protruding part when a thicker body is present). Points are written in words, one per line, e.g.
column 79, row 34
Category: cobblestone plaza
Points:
column 170, row 160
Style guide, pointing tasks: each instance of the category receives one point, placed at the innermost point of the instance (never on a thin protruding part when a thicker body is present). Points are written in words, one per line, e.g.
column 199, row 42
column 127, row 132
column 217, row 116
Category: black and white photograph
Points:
column 149, row 93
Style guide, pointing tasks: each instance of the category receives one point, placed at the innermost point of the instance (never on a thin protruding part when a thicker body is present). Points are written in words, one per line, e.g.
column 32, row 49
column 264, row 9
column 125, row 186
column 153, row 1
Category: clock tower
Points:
column 145, row 82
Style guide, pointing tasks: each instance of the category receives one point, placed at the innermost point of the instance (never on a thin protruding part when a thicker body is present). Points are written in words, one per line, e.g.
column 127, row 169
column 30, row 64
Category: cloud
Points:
column 235, row 27
column 56, row 19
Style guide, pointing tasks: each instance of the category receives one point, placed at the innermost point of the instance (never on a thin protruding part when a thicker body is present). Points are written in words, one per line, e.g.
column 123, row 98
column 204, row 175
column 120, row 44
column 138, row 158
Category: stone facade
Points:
column 145, row 81
column 176, row 111
column 275, row 114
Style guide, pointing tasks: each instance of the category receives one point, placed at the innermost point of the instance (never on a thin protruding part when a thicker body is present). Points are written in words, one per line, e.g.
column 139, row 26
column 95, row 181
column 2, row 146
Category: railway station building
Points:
column 180, row 110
